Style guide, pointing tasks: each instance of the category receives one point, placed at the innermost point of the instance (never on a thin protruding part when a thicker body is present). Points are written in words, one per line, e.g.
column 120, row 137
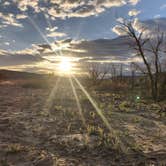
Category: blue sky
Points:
column 151, row 8
column 25, row 25
column 89, row 27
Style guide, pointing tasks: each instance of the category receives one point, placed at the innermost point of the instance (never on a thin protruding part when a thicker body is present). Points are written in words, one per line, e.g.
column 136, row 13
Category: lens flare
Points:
column 77, row 101
column 98, row 110
column 65, row 65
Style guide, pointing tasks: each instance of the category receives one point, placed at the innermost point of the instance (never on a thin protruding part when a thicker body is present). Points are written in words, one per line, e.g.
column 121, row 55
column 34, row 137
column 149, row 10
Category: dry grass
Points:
column 32, row 136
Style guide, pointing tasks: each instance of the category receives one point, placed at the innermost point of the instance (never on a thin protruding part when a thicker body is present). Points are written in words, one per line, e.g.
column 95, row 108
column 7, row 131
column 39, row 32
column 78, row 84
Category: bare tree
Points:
column 97, row 72
column 132, row 67
column 121, row 72
column 113, row 72
column 154, row 48
column 137, row 67
column 139, row 42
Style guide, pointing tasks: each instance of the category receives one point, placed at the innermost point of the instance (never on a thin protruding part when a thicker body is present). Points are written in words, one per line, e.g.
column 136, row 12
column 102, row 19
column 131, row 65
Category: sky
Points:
column 24, row 24
column 91, row 26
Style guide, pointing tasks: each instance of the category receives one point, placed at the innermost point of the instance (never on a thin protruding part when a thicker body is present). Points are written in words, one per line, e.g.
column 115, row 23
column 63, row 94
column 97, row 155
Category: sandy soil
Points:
column 43, row 127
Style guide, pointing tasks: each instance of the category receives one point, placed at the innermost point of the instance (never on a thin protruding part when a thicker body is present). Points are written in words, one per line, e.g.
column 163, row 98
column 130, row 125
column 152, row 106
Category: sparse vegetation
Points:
column 137, row 124
column 14, row 148
column 82, row 82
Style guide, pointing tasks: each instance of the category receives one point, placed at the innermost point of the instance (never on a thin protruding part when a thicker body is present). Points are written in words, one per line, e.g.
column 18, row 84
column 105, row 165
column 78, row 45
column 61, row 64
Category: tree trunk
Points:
column 152, row 81
column 154, row 89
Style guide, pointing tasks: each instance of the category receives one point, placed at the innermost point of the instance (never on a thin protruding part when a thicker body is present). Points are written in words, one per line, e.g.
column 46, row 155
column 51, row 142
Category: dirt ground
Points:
column 43, row 127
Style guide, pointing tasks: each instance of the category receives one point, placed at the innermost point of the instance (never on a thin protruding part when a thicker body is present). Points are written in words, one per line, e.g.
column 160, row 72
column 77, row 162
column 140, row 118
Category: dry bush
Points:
column 162, row 86
column 97, row 73
column 113, row 85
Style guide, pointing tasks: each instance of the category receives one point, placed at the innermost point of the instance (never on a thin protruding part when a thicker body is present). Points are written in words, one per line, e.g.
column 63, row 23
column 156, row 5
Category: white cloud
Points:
column 134, row 12
column 9, row 19
column 118, row 30
column 23, row 57
column 6, row 3
column 122, row 30
column 134, row 2
column 56, row 34
column 150, row 27
column 3, row 26
column 157, row 16
column 3, row 52
column 163, row 7
column 70, row 8
column 53, row 33
column 24, row 4
column 7, row 43
column 52, row 29
column 27, row 51
column 120, row 20
column 21, row 16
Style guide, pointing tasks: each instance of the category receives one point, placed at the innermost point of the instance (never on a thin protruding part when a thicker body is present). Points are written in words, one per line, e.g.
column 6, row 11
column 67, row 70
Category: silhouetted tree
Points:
column 121, row 72
column 113, row 72
column 132, row 67
column 139, row 40
column 154, row 47
column 97, row 72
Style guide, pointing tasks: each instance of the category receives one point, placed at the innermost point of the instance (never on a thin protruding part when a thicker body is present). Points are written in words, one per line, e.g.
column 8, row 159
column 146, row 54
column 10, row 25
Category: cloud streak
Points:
column 23, row 57
column 68, row 8
column 53, row 33
column 10, row 19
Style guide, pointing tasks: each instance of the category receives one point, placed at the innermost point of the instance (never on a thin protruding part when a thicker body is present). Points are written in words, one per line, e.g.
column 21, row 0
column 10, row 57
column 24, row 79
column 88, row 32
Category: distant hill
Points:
column 8, row 74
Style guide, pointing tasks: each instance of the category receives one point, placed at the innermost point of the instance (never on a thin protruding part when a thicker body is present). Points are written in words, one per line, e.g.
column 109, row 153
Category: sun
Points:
column 65, row 65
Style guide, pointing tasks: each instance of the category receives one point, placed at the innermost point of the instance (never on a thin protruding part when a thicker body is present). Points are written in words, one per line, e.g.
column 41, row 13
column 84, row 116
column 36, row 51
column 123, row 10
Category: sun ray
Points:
column 47, row 20
column 50, row 26
column 98, row 110
column 38, row 29
column 77, row 102
column 65, row 65
column 50, row 101
column 41, row 33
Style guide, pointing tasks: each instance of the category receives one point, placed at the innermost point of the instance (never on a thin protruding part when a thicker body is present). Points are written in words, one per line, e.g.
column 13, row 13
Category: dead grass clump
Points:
column 115, row 86
column 14, row 148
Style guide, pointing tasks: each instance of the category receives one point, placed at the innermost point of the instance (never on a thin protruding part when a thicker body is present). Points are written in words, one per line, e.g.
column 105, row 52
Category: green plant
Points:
column 125, row 106
column 136, row 119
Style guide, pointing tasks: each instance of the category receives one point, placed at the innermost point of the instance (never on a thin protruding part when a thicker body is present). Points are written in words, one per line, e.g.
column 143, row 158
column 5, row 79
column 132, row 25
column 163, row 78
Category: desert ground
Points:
column 42, row 126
